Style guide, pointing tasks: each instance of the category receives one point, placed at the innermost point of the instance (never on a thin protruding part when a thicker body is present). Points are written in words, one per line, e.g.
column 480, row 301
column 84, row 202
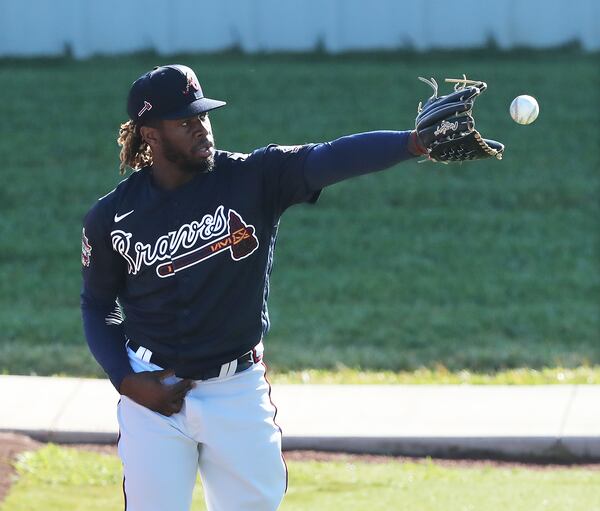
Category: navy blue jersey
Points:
column 190, row 267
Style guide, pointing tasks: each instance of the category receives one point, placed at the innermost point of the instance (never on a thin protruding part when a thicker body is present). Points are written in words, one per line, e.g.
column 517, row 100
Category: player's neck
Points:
column 169, row 176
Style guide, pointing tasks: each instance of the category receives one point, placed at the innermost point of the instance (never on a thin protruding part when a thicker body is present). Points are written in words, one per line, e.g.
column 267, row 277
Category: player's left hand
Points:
column 446, row 128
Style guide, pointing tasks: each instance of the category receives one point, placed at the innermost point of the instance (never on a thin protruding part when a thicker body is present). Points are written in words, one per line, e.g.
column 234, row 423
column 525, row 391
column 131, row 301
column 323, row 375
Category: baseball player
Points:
column 176, row 265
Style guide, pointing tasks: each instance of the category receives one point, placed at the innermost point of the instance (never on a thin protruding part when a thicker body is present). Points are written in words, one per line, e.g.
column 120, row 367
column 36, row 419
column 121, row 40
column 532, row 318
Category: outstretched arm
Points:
column 354, row 155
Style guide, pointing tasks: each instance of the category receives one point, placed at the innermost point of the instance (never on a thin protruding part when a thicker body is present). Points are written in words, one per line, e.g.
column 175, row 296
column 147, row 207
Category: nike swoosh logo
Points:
column 118, row 218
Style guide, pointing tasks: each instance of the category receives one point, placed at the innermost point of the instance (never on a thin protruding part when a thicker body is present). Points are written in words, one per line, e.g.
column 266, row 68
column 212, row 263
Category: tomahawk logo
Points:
column 147, row 107
column 229, row 234
column 240, row 241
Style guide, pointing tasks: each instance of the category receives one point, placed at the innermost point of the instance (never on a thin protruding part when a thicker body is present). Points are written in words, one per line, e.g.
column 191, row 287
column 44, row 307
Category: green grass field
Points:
column 484, row 267
column 55, row 478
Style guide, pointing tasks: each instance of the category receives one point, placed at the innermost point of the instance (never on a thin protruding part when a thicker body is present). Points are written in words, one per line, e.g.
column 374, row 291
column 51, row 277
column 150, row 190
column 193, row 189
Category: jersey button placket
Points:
column 175, row 224
column 182, row 276
column 175, row 214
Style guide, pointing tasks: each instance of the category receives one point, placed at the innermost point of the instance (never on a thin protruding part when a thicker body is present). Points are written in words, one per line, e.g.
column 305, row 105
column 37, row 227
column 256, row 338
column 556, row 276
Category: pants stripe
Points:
column 278, row 426
column 124, row 493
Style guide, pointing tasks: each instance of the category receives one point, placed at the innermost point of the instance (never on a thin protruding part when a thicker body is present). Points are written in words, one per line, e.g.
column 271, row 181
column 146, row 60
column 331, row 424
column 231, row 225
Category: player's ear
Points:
column 149, row 135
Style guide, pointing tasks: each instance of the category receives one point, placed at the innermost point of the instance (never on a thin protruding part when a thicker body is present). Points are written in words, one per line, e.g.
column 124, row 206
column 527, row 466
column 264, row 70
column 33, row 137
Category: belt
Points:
column 238, row 365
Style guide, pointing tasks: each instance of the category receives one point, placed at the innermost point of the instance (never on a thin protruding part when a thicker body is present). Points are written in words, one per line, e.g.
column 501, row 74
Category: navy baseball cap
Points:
column 168, row 92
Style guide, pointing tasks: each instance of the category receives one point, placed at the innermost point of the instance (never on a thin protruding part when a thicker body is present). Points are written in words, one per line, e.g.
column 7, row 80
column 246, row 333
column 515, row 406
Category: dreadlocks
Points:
column 135, row 152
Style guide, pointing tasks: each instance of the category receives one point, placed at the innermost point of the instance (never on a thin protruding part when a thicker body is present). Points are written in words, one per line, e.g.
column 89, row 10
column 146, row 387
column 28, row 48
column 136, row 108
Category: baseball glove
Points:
column 446, row 127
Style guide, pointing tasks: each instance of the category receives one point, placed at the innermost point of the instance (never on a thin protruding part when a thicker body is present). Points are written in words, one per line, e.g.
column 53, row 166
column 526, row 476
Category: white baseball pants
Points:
column 226, row 430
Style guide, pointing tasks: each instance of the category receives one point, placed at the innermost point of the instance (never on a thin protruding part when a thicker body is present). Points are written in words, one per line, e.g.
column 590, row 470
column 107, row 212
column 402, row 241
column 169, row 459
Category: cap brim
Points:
column 196, row 107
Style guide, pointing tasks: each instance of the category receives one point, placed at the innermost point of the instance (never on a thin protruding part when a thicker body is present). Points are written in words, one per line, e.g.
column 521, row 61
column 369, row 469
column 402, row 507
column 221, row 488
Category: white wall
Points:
column 86, row 27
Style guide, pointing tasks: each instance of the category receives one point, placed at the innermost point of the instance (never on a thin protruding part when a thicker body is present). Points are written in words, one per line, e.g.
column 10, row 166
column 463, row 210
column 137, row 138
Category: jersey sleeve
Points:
column 355, row 155
column 103, row 276
column 283, row 176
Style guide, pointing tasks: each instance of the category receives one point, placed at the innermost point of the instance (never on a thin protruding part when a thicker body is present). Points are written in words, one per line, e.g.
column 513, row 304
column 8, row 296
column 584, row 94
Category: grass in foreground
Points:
column 482, row 267
column 55, row 479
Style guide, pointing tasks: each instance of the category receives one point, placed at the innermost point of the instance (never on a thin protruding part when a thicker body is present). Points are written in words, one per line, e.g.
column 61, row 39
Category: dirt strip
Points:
column 10, row 446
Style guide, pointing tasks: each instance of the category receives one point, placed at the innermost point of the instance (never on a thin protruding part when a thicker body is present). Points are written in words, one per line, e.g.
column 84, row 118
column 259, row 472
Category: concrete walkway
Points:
column 547, row 422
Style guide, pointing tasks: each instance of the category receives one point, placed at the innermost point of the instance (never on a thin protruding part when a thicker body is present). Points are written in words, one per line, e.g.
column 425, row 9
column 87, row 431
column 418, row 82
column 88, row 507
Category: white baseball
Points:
column 524, row 109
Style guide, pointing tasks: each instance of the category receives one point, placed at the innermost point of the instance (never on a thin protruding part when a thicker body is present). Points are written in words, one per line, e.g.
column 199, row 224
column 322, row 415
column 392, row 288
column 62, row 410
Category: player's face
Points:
column 189, row 143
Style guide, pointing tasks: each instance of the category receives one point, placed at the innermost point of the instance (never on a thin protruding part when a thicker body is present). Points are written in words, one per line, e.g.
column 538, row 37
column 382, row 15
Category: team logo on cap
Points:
column 192, row 84
column 147, row 108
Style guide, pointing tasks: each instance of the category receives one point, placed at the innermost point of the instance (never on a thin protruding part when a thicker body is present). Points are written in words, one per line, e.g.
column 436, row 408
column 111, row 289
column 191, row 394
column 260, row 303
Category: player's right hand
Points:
column 148, row 389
